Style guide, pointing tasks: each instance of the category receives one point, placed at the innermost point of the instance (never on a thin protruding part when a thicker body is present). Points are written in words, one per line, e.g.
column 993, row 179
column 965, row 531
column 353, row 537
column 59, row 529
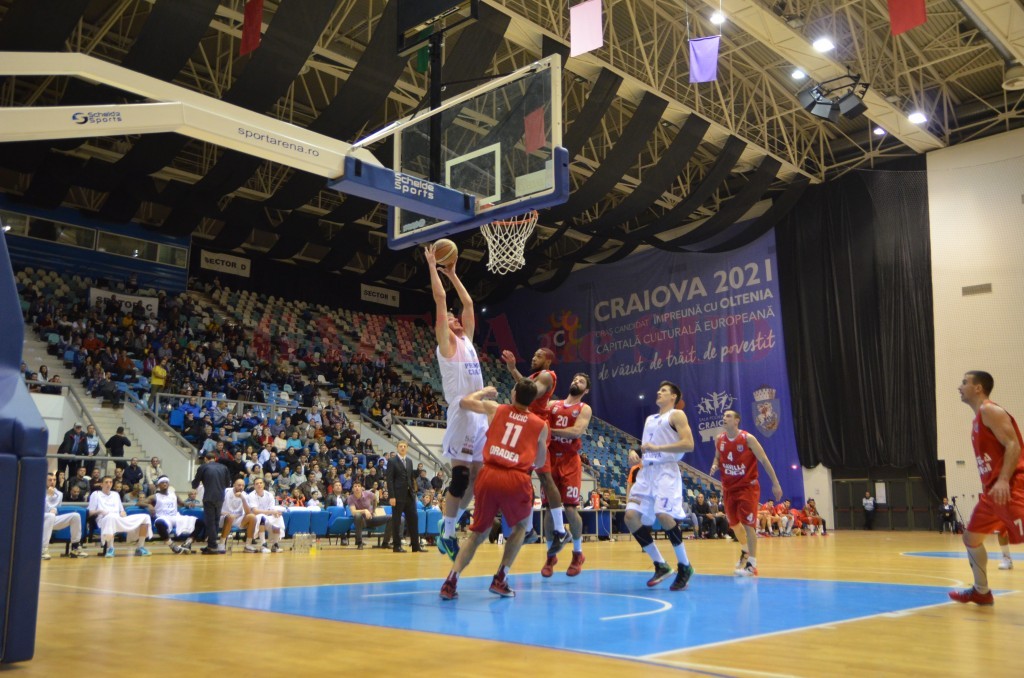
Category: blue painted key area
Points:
column 600, row 611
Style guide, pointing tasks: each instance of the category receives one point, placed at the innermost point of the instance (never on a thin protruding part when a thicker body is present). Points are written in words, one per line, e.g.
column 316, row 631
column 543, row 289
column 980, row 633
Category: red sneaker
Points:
column 448, row 591
column 576, row 566
column 971, row 595
column 501, row 587
column 549, row 566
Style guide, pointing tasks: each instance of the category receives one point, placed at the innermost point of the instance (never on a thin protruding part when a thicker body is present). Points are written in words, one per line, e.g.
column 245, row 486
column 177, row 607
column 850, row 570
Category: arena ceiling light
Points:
column 718, row 18
column 823, row 44
column 835, row 98
column 879, row 132
column 918, row 118
column 797, row 74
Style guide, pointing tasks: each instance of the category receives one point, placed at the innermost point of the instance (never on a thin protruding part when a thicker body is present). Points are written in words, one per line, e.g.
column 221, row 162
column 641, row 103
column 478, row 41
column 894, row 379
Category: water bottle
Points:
column 501, row 537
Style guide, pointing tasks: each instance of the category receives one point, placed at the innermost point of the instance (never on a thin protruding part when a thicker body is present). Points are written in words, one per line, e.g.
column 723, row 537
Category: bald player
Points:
column 546, row 380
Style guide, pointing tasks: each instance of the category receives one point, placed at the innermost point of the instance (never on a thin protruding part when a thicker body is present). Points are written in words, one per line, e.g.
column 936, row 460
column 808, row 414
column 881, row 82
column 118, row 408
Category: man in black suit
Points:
column 402, row 493
column 73, row 443
column 215, row 478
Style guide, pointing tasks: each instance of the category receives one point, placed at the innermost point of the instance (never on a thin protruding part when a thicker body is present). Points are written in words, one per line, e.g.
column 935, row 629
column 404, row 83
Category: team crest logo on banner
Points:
column 710, row 410
column 766, row 411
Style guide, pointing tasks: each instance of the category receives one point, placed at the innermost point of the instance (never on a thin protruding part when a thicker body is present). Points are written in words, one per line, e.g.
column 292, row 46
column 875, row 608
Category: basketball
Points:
column 445, row 252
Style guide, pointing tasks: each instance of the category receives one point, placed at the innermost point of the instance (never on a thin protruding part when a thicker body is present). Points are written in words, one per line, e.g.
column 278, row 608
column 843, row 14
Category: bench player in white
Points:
column 106, row 507
column 164, row 504
column 236, row 511
column 658, row 491
column 52, row 521
column 461, row 375
column 269, row 519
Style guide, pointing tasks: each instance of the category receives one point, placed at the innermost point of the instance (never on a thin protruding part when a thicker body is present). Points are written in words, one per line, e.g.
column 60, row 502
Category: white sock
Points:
column 752, row 561
column 558, row 518
column 577, row 545
column 654, row 553
column 681, row 553
column 1006, row 550
column 449, row 527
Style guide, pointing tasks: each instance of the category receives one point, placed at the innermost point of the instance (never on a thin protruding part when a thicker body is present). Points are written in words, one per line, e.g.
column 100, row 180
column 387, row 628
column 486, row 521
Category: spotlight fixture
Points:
column 917, row 118
column 7, row 227
column 798, row 74
column 842, row 96
column 718, row 18
column 879, row 132
column 823, row 45
column 1013, row 80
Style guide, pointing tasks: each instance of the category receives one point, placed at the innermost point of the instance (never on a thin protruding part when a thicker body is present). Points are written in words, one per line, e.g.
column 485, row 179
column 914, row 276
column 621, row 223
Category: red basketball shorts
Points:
column 499, row 490
column 1006, row 519
column 741, row 505
column 567, row 472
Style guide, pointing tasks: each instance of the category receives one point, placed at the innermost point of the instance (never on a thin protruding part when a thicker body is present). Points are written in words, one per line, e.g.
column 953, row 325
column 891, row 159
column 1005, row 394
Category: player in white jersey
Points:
column 461, row 375
column 236, row 511
column 52, row 521
column 105, row 506
column 264, row 506
column 163, row 505
column 658, row 491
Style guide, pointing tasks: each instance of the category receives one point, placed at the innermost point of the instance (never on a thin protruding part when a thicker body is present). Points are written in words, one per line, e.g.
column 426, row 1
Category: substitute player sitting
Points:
column 164, row 504
column 105, row 506
column 516, row 443
column 52, row 521
column 569, row 420
column 737, row 453
column 236, row 511
column 269, row 517
column 657, row 493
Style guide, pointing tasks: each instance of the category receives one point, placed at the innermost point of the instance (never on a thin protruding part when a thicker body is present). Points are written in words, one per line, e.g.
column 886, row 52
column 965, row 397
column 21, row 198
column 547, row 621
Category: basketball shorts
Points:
column 179, row 525
column 1006, row 519
column 741, row 505
column 500, row 490
column 274, row 522
column 658, row 489
column 567, row 472
column 464, row 435
column 237, row 519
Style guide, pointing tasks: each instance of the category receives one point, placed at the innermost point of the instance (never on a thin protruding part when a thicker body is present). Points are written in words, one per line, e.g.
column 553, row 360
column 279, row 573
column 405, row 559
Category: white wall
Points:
column 976, row 206
column 57, row 415
column 818, row 486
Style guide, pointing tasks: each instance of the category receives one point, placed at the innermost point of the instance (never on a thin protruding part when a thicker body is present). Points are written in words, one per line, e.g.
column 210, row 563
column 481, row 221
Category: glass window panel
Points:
column 124, row 246
column 18, row 223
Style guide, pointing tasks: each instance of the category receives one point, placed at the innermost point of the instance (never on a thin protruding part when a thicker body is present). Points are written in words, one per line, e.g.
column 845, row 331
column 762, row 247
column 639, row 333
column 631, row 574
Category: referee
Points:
column 215, row 478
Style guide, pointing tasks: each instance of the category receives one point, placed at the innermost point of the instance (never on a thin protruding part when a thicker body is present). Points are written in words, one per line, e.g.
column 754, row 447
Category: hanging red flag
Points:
column 251, row 26
column 906, row 14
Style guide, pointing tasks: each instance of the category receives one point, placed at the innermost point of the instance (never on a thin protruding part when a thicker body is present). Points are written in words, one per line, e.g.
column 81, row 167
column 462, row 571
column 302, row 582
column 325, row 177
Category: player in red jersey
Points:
column 516, row 442
column 997, row 446
column 569, row 420
column 546, row 381
column 737, row 453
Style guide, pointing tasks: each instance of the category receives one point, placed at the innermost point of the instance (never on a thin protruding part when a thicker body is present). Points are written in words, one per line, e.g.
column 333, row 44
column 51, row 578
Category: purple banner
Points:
column 711, row 323
column 704, row 59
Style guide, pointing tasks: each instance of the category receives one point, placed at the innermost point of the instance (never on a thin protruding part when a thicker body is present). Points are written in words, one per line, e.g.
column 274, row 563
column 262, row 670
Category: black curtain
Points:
column 854, row 261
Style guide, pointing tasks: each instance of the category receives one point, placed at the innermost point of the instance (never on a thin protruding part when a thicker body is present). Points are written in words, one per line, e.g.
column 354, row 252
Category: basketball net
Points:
column 506, row 242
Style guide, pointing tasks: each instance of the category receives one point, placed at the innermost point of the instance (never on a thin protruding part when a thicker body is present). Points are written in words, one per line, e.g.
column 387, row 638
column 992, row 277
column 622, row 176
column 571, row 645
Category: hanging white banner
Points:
column 379, row 295
column 127, row 301
column 225, row 263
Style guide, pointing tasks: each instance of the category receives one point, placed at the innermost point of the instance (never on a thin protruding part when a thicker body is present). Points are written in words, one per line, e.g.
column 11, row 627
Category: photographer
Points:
column 947, row 514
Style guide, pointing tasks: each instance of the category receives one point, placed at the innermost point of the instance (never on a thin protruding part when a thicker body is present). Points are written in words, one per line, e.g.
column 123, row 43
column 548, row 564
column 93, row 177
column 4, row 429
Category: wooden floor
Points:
column 102, row 616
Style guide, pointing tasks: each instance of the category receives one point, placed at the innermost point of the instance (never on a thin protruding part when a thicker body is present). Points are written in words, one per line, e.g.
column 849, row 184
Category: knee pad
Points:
column 643, row 536
column 460, row 481
column 675, row 535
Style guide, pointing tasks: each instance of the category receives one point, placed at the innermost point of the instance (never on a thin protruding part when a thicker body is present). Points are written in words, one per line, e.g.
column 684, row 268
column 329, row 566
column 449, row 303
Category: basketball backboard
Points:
column 500, row 143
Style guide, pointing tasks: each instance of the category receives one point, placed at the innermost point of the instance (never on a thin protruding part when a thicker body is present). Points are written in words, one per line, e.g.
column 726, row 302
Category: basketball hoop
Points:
column 506, row 242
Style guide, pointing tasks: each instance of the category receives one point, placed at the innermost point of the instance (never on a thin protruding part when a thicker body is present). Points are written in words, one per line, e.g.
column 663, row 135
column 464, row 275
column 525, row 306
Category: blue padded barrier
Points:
column 319, row 522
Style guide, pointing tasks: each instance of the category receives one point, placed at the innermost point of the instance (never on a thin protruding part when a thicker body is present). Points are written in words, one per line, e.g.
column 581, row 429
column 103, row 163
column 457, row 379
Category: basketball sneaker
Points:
column 186, row 548
column 46, row 556
column 549, row 566
column 971, row 595
column 250, row 548
column 448, row 591
column 109, row 553
column 1006, row 564
column 682, row 577
column 576, row 566
column 742, row 562
column 561, row 539
column 142, row 551
column 499, row 586
column 77, row 552
column 175, row 548
column 747, row 570
column 661, row 571
column 276, row 548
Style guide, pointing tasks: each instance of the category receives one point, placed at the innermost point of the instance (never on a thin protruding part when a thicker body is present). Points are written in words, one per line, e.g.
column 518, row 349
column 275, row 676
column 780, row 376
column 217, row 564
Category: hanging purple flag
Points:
column 704, row 59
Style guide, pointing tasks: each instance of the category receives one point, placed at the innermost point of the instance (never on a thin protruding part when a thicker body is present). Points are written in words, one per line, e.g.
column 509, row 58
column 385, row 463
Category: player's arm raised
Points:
column 481, row 402
column 580, row 428
column 542, row 448
column 684, row 443
column 468, row 314
column 758, row 451
column 510, row 363
column 998, row 420
column 440, row 305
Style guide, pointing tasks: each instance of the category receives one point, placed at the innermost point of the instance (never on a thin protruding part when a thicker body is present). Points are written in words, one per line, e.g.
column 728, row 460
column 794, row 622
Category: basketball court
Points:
column 854, row 603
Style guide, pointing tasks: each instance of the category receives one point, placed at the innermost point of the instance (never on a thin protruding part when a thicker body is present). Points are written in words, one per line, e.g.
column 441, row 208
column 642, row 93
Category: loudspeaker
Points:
column 851, row 106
